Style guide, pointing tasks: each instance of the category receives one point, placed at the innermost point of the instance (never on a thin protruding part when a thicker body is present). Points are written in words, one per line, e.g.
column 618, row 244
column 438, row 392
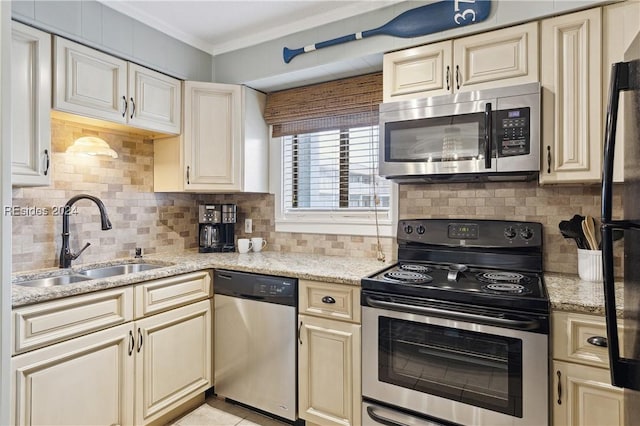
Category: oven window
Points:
column 483, row 370
column 455, row 138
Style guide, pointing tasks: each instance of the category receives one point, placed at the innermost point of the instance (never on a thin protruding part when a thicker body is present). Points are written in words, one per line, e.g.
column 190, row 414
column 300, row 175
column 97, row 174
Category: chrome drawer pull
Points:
column 598, row 341
column 328, row 299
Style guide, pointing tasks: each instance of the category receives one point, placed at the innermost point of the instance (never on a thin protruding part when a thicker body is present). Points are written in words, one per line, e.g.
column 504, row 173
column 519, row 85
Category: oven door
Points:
column 454, row 370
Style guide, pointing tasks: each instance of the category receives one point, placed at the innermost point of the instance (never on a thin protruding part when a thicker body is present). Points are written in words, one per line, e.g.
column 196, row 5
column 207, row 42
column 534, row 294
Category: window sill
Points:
column 335, row 225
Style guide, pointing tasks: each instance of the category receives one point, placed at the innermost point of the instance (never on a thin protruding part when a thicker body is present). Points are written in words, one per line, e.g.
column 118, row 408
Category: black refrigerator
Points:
column 624, row 102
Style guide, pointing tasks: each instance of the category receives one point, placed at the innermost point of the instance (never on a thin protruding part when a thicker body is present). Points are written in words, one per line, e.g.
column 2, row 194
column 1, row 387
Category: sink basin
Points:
column 53, row 281
column 111, row 271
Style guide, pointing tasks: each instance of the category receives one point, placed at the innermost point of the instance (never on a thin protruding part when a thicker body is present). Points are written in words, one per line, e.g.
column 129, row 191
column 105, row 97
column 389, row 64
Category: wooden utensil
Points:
column 589, row 233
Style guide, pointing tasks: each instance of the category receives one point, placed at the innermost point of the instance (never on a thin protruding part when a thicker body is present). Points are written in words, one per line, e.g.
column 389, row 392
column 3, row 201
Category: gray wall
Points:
column 261, row 66
column 98, row 26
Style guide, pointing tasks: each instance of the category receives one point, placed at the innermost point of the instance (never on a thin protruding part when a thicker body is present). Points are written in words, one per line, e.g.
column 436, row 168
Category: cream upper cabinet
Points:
column 97, row 85
column 30, row 106
column 572, row 98
column 621, row 23
column 497, row 58
column 329, row 364
column 224, row 146
column 581, row 391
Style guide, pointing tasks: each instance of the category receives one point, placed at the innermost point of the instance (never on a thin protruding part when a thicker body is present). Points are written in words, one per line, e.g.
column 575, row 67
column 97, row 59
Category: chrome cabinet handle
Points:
column 300, row 333
column 548, row 159
column 598, row 341
column 132, row 343
column 448, row 76
column 559, row 374
column 125, row 106
column 458, row 77
column 46, row 166
column 188, row 167
column 139, row 340
column 133, row 108
column 328, row 299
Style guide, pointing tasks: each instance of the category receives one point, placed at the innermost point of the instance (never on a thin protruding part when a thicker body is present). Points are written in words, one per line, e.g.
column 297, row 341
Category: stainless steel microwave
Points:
column 485, row 135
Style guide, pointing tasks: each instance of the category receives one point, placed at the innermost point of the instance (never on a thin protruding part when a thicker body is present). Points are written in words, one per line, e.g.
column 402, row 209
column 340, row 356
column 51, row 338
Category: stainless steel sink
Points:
column 111, row 271
column 53, row 281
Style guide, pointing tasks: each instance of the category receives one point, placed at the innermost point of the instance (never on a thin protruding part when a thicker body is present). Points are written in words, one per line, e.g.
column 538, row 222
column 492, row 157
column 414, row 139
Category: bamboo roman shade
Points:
column 345, row 103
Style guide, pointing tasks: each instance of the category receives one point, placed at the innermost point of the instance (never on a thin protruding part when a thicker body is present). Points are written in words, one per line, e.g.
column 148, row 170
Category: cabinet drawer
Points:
column 329, row 300
column 160, row 295
column 50, row 322
column 570, row 334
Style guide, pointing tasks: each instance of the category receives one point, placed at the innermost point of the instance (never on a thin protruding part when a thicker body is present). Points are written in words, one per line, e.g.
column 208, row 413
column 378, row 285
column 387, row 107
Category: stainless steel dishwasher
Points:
column 255, row 341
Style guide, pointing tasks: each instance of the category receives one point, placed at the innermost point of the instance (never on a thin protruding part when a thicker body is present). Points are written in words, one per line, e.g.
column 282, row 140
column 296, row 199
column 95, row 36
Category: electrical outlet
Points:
column 248, row 226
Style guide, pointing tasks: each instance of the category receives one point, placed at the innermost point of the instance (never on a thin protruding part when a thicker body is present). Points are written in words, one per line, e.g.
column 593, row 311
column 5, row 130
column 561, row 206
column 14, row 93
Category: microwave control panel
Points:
column 513, row 131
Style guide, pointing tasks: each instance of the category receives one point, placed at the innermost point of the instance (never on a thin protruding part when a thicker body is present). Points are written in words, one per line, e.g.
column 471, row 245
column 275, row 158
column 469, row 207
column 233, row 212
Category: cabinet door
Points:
column 173, row 360
column 84, row 381
column 155, row 100
column 329, row 389
column 621, row 23
column 30, row 105
column 583, row 395
column 497, row 58
column 88, row 82
column 572, row 98
column 212, row 136
column 418, row 72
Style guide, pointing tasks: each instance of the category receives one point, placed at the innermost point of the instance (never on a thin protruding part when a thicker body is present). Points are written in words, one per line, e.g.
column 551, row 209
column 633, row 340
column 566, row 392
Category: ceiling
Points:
column 219, row 26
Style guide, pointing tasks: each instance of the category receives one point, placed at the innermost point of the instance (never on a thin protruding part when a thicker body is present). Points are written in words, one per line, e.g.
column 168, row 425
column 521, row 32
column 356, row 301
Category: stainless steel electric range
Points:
column 457, row 331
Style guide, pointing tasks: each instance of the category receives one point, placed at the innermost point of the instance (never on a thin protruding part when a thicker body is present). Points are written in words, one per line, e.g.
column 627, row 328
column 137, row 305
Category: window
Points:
column 330, row 183
column 324, row 159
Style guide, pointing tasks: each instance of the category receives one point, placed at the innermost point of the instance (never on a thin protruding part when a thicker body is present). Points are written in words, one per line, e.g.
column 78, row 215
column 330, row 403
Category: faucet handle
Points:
column 74, row 256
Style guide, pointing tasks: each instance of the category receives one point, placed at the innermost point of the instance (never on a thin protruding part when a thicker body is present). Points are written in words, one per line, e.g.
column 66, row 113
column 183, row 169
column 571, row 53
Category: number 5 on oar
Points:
column 415, row 22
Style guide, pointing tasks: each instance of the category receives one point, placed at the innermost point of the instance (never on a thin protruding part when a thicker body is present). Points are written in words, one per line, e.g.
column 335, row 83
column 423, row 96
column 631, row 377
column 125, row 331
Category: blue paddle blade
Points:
column 433, row 18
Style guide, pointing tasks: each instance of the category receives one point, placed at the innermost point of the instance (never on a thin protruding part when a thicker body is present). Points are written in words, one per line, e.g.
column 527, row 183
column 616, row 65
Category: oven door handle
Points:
column 529, row 324
column 374, row 412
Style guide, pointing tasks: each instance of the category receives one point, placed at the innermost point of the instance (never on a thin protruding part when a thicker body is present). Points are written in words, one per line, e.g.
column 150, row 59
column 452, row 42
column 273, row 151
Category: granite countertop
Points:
column 570, row 293
column 566, row 292
column 297, row 265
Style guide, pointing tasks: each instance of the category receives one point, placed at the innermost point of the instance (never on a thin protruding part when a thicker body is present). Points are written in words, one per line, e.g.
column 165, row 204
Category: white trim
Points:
column 139, row 12
column 333, row 222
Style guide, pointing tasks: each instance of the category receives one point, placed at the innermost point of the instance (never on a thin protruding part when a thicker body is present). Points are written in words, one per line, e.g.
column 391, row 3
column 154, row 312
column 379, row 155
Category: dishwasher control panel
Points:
column 259, row 287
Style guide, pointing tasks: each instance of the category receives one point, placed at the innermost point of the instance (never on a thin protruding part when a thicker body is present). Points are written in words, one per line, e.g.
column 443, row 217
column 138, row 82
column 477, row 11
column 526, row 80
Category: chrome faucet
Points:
column 66, row 255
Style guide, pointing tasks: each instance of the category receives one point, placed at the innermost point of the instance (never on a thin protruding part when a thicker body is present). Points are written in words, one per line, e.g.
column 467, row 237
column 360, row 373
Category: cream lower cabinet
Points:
column 571, row 66
column 581, row 390
column 493, row 59
column 84, row 381
column 87, row 371
column 329, row 364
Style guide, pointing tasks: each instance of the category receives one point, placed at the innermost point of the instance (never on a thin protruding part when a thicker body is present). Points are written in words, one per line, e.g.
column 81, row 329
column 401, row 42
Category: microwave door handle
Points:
column 488, row 126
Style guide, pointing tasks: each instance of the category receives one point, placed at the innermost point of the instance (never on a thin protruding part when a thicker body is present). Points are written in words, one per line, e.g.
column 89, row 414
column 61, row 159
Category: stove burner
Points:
column 502, row 277
column 415, row 268
column 408, row 277
column 509, row 288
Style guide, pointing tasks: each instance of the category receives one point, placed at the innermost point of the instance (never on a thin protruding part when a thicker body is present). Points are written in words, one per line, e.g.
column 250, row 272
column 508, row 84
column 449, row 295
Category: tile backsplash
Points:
column 162, row 222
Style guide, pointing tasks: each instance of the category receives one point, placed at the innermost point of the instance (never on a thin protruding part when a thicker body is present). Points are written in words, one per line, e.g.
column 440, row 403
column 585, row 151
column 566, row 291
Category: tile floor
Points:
column 217, row 412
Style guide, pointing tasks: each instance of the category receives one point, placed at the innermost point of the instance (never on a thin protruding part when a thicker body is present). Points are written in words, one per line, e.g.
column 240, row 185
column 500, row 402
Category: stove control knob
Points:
column 420, row 229
column 408, row 229
column 526, row 233
column 510, row 232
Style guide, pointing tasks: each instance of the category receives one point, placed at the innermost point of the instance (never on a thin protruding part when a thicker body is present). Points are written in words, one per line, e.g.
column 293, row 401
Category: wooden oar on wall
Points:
column 423, row 20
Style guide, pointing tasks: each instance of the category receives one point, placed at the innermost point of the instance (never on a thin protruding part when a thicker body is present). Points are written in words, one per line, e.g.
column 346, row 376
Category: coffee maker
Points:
column 216, row 224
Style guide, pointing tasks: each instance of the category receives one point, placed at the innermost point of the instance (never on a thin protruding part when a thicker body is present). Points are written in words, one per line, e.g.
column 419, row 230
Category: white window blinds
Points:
column 333, row 170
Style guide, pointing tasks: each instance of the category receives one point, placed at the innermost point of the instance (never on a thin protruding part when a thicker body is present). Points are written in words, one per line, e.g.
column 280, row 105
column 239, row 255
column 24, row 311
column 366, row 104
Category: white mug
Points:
column 244, row 245
column 258, row 244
